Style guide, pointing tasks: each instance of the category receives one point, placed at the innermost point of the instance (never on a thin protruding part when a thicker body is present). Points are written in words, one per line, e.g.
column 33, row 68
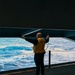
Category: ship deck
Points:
column 61, row 69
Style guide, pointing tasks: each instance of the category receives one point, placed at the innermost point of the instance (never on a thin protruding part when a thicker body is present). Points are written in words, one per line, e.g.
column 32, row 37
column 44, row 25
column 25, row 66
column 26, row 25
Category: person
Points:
column 39, row 51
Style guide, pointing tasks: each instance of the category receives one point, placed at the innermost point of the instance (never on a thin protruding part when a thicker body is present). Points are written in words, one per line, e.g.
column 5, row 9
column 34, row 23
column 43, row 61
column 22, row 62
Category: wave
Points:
column 16, row 48
column 20, row 55
column 26, row 59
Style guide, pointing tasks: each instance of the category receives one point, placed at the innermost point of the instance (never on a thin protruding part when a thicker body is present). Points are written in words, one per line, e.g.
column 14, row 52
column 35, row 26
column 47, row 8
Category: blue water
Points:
column 16, row 53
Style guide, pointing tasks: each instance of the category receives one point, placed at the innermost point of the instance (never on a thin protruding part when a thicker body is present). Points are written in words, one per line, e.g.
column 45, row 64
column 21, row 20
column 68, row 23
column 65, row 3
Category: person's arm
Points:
column 47, row 38
column 33, row 41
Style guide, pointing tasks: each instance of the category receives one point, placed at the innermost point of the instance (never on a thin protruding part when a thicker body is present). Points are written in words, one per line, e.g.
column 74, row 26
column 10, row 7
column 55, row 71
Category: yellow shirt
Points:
column 39, row 48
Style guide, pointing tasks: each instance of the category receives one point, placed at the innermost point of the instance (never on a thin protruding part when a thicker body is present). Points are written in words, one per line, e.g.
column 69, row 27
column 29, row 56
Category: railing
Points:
column 49, row 58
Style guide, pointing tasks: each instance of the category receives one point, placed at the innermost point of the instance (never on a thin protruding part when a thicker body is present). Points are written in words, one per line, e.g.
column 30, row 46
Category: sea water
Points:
column 16, row 53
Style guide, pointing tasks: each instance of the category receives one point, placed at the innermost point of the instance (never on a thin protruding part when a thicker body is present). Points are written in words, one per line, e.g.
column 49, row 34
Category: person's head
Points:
column 39, row 35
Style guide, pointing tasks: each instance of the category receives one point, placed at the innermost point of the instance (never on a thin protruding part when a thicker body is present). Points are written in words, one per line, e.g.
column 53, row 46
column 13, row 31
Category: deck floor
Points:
column 58, row 70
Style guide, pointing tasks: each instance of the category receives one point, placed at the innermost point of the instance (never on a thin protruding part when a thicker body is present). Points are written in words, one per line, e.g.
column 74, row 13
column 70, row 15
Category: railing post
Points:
column 49, row 58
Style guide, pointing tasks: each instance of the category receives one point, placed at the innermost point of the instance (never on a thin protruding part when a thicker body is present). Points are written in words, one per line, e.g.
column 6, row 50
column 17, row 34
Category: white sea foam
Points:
column 59, row 56
column 2, row 47
column 61, row 51
column 26, row 59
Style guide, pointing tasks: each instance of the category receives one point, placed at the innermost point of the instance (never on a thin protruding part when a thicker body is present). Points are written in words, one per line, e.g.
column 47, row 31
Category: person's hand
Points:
column 47, row 36
column 23, row 37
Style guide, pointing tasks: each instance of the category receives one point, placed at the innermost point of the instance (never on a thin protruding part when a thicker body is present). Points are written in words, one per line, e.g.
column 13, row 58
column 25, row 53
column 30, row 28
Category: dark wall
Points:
column 37, row 13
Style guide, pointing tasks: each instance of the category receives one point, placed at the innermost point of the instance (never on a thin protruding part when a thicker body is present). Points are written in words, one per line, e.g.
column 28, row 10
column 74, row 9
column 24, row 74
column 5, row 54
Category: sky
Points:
column 37, row 13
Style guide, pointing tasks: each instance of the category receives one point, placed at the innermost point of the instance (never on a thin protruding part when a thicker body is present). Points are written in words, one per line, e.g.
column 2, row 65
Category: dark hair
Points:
column 39, row 34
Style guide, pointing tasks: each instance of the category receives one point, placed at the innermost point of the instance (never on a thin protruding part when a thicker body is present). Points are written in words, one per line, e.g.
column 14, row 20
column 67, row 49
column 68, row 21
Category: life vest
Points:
column 39, row 48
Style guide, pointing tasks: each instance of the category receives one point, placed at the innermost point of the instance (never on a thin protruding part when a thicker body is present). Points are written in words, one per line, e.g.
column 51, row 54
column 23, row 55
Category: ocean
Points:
column 17, row 53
